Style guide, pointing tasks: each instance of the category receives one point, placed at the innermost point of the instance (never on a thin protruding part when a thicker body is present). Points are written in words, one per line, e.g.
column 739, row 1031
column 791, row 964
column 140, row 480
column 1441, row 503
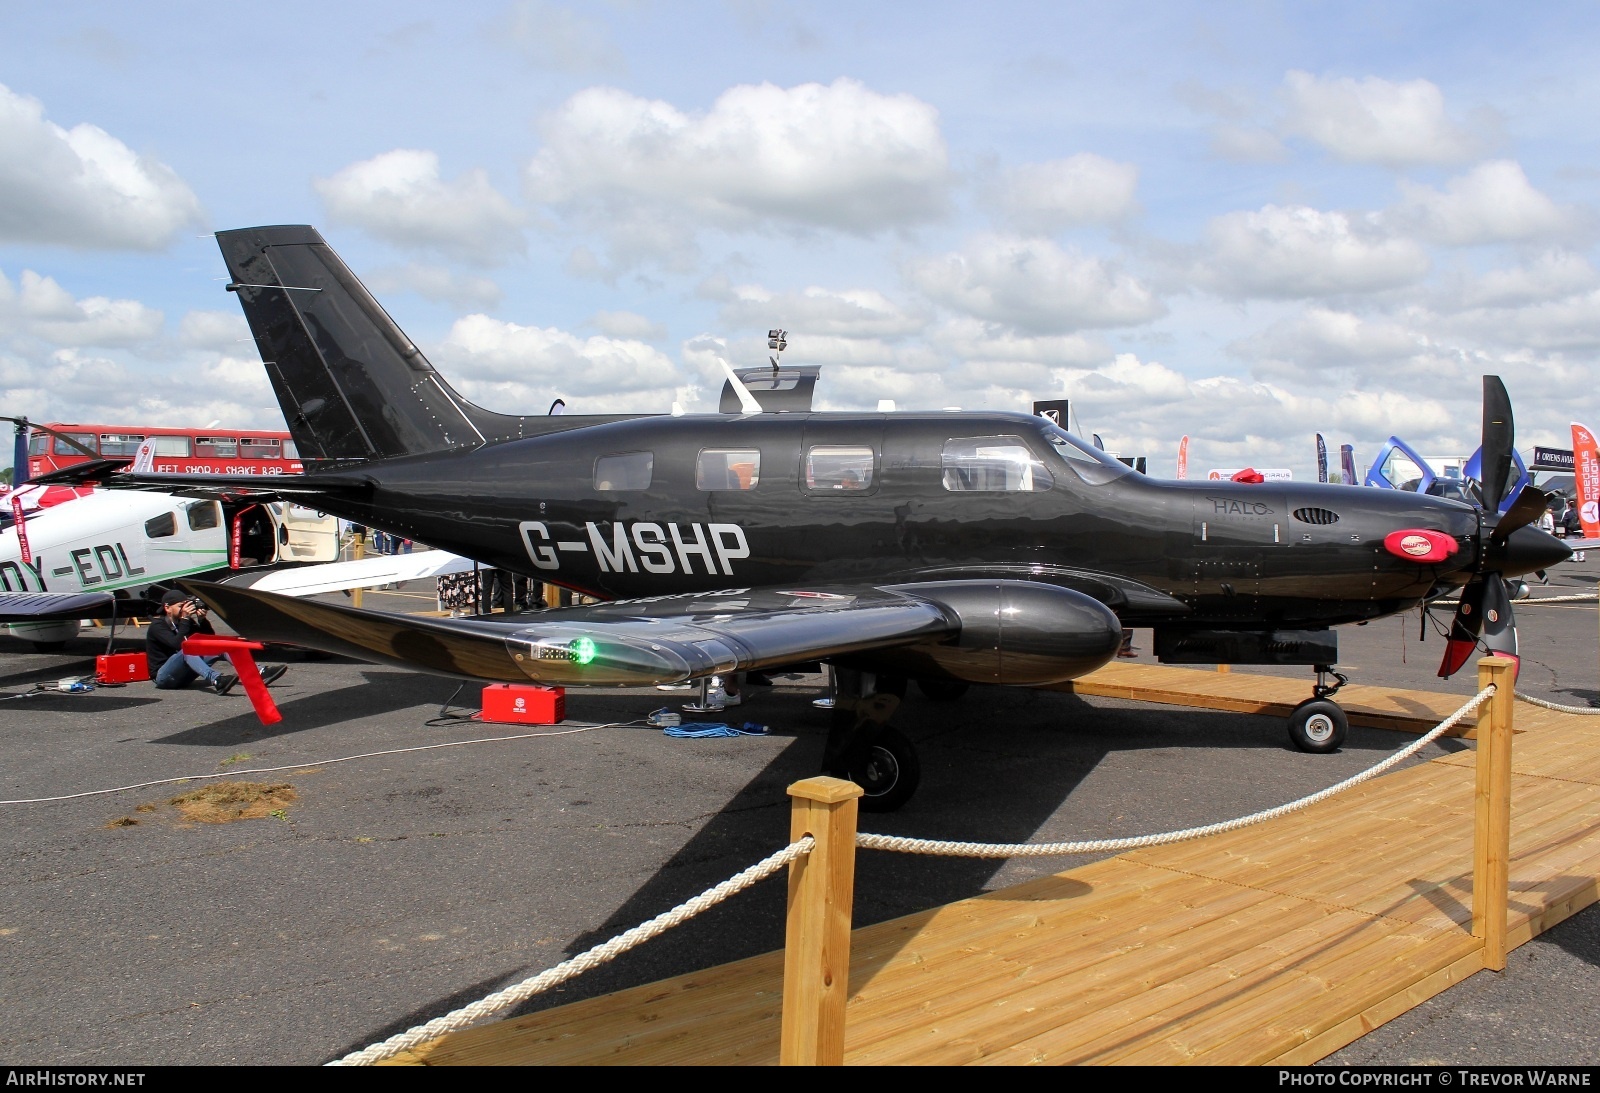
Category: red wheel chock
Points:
column 241, row 654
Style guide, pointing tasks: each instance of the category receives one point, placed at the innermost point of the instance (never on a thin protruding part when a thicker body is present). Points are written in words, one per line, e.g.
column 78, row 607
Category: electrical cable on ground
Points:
column 318, row 762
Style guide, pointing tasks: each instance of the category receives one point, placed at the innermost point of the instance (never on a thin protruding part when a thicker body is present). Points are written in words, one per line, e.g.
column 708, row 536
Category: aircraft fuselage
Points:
column 561, row 508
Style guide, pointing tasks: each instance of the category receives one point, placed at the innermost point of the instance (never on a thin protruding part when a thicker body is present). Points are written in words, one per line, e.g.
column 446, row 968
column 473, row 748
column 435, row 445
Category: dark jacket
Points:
column 163, row 639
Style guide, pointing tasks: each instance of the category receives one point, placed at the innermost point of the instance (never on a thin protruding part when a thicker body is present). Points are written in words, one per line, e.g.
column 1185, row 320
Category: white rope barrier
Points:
column 510, row 996
column 1589, row 711
column 1533, row 601
column 1096, row 846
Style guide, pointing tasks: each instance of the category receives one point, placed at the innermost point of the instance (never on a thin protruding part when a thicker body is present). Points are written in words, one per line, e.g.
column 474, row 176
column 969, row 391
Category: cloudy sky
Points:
column 1245, row 222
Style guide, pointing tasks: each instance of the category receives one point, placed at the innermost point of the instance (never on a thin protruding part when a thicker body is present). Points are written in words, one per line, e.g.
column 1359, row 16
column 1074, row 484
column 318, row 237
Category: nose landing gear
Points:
column 1318, row 724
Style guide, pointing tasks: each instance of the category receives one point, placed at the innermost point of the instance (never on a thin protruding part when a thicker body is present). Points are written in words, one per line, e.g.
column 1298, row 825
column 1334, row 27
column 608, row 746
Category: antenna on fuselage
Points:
column 747, row 401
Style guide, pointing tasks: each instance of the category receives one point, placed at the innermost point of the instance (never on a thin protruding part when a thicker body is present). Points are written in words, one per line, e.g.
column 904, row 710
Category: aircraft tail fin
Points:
column 352, row 386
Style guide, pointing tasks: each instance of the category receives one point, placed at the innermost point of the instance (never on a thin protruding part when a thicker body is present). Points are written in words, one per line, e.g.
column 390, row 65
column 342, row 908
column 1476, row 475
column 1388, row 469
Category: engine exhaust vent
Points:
column 1316, row 516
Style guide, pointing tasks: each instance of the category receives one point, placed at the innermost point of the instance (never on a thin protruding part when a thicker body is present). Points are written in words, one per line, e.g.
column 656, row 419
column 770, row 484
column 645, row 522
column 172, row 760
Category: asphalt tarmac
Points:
column 399, row 886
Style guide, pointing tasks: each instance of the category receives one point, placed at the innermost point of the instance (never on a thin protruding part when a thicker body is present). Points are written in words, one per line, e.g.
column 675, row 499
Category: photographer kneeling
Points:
column 181, row 617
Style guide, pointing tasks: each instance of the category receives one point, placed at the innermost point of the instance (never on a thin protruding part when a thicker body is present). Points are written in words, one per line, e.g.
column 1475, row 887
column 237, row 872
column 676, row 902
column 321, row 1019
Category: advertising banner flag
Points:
column 22, row 527
column 1183, row 458
column 1322, row 459
column 1586, row 479
column 1347, row 464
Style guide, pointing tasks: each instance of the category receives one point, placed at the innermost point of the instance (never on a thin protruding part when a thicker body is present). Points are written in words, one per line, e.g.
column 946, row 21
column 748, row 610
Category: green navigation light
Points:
column 583, row 650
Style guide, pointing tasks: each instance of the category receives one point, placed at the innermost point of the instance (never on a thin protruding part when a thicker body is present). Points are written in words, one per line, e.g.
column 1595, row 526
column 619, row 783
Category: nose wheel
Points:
column 1318, row 724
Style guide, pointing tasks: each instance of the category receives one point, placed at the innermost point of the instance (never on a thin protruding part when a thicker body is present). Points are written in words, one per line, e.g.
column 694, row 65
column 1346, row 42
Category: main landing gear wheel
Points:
column 943, row 690
column 887, row 771
column 1318, row 725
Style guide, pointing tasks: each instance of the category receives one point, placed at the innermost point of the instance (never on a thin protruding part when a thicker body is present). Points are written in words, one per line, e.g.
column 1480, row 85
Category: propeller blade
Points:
column 1499, row 621
column 1499, row 434
column 1465, row 626
column 1528, row 507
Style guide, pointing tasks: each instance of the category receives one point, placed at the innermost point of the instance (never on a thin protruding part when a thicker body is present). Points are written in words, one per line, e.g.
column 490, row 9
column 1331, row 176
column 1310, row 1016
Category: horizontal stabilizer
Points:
column 64, row 606
column 367, row 572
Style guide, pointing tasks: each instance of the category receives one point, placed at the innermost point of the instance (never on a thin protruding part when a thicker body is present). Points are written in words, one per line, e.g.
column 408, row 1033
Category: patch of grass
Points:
column 242, row 757
column 224, row 802
column 125, row 821
column 279, row 814
column 147, row 808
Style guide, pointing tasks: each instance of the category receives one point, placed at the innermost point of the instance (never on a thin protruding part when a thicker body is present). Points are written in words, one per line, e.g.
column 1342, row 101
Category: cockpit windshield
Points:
column 1090, row 463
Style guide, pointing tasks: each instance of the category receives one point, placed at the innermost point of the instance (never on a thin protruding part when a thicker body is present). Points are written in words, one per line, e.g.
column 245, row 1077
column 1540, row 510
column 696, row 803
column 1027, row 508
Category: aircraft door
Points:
column 305, row 535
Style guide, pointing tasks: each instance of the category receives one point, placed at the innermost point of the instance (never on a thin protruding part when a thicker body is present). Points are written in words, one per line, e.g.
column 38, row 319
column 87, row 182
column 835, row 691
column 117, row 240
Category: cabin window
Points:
column 256, row 447
column 624, row 471
column 38, row 443
column 63, row 448
column 117, row 445
column 993, row 464
column 728, row 469
column 173, row 445
column 290, row 451
column 203, row 515
column 216, row 447
column 838, row 467
column 159, row 527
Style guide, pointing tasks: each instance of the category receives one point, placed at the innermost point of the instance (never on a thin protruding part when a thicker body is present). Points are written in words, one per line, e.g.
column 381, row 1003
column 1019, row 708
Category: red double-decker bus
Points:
column 197, row 451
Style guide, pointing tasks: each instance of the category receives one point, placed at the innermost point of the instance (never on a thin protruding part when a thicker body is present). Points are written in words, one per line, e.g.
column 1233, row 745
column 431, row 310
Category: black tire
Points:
column 1318, row 725
column 943, row 690
column 888, row 773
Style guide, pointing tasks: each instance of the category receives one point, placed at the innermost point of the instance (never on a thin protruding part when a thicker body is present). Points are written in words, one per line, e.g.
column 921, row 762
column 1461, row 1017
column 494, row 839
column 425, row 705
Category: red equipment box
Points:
column 523, row 704
column 121, row 668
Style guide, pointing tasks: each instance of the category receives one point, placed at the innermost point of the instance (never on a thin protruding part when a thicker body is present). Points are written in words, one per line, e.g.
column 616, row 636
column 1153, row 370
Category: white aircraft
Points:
column 110, row 554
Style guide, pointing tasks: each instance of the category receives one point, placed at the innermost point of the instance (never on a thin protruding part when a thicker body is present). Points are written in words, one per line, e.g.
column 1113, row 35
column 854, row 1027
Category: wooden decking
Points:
column 1278, row 943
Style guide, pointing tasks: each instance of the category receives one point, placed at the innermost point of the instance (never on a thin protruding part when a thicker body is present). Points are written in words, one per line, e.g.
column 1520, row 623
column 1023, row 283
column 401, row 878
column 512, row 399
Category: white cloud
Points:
column 82, row 187
column 816, row 312
column 400, row 197
column 1374, row 120
column 519, row 369
column 558, row 38
column 627, row 324
column 39, row 307
column 971, row 340
column 1548, row 276
column 1492, row 203
column 1323, row 338
column 1064, row 193
column 836, row 156
column 1295, row 251
column 1035, row 285
column 223, row 331
column 462, row 291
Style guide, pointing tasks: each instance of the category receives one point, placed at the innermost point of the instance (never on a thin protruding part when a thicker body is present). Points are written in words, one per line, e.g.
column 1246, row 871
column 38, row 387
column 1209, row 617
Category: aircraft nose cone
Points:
column 1528, row 550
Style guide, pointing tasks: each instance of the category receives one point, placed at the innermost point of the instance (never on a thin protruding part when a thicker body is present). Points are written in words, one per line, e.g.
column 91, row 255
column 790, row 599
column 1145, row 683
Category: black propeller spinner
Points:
column 1485, row 609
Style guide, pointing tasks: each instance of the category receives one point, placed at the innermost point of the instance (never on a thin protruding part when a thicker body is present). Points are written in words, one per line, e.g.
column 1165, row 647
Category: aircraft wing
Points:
column 310, row 580
column 61, row 606
column 666, row 639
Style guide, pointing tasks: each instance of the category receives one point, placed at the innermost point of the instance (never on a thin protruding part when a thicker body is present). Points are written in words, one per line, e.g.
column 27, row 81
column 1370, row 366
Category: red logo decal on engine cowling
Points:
column 1420, row 545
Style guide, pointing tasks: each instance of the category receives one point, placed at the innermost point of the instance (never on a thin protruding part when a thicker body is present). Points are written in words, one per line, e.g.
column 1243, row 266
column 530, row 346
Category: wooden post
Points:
column 816, row 956
column 1491, row 846
column 358, row 551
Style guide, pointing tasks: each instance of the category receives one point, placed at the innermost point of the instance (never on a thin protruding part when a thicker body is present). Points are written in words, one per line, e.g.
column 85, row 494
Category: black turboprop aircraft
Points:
column 950, row 548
